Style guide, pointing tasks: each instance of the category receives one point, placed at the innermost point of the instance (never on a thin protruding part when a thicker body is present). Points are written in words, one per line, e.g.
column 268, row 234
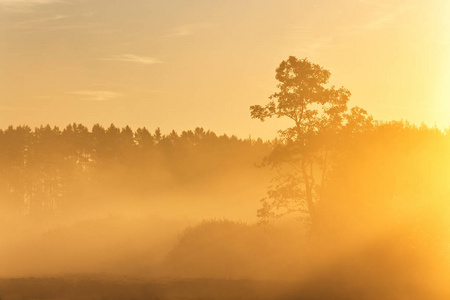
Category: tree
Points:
column 305, row 152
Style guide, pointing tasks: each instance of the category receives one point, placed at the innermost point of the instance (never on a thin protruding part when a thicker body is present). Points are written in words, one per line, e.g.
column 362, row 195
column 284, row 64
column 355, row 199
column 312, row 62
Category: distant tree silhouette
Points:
column 305, row 152
column 48, row 171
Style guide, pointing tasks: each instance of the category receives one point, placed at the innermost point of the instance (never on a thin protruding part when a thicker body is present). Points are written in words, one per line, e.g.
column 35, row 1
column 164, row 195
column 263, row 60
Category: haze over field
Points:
column 224, row 149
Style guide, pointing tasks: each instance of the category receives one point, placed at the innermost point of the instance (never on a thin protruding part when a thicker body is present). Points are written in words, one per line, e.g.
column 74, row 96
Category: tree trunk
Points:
column 309, row 192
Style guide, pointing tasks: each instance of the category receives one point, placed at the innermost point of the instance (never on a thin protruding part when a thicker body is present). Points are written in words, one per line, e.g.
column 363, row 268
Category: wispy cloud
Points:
column 34, row 22
column 18, row 5
column 56, row 22
column 185, row 30
column 26, row 2
column 132, row 58
column 18, row 108
column 310, row 40
column 374, row 3
column 96, row 95
column 385, row 16
column 382, row 16
column 151, row 91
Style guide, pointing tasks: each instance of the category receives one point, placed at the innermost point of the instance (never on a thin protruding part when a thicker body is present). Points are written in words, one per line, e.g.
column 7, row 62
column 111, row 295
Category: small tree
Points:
column 305, row 152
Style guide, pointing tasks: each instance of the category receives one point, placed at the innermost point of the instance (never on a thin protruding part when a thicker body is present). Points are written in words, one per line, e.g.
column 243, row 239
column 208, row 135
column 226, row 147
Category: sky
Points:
column 181, row 64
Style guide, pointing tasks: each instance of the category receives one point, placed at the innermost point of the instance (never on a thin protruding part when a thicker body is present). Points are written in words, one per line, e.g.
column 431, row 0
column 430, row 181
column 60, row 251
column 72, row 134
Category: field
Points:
column 102, row 288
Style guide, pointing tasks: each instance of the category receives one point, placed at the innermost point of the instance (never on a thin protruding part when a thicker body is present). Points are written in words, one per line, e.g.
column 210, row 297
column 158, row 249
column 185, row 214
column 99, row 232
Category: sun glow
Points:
column 444, row 95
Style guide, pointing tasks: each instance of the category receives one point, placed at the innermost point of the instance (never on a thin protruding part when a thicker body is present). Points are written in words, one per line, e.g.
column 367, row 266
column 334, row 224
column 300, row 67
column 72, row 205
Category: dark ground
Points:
column 130, row 289
column 95, row 287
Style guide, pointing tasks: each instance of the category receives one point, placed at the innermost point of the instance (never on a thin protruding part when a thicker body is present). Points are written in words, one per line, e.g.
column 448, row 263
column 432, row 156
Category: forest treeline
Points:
column 47, row 171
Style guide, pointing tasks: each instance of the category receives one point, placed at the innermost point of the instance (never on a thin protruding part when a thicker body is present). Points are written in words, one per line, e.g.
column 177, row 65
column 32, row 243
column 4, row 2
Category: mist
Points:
column 122, row 211
column 339, row 205
column 189, row 211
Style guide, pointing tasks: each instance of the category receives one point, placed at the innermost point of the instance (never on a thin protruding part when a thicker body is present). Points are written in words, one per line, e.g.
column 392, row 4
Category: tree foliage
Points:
column 320, row 118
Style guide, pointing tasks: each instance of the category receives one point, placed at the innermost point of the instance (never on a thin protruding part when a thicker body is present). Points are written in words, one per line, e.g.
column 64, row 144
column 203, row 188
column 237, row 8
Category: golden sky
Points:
column 181, row 64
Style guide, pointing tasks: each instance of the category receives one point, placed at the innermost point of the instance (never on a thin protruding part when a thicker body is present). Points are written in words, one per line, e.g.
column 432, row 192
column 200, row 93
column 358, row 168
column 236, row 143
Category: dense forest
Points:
column 48, row 171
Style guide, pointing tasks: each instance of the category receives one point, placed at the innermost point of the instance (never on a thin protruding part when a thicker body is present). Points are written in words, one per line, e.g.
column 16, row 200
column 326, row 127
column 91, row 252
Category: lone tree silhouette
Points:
column 306, row 150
